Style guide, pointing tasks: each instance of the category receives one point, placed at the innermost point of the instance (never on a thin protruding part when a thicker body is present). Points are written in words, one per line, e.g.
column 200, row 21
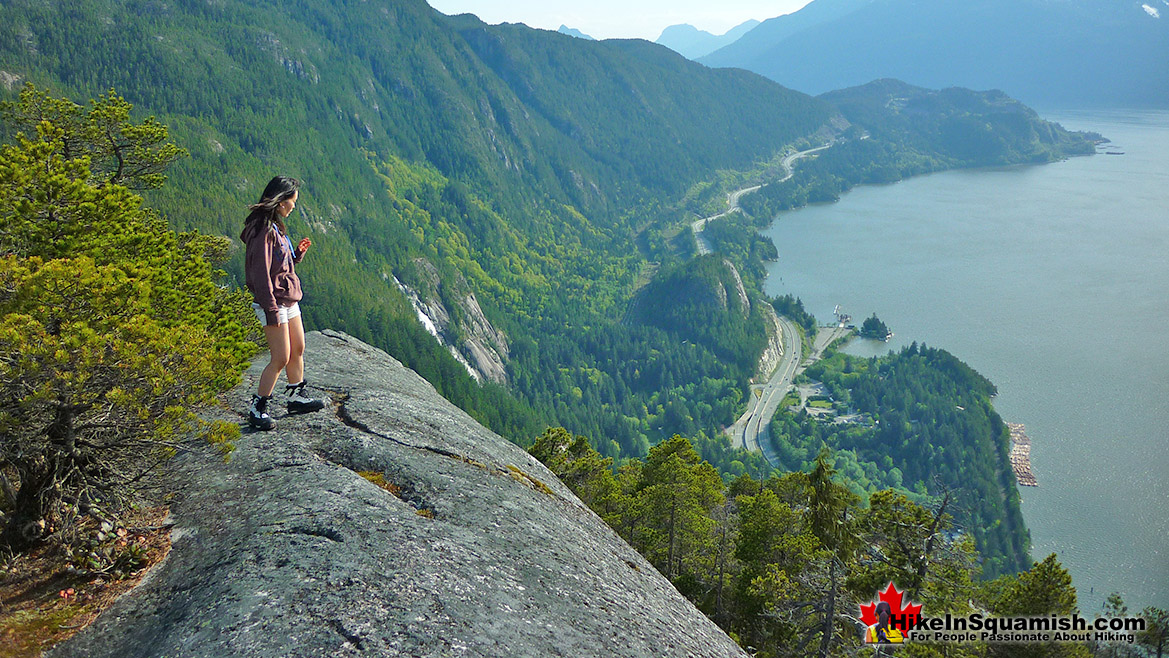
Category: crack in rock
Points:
column 335, row 335
column 283, row 464
column 511, row 471
column 407, row 493
column 349, row 421
column 349, row 636
column 325, row 533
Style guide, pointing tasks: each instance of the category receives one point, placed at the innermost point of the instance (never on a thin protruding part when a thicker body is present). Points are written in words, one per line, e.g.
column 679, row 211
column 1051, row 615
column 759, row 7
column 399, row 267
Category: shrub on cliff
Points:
column 112, row 328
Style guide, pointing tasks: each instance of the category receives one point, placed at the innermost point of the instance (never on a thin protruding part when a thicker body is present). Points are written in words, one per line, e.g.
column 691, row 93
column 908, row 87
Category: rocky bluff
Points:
column 472, row 547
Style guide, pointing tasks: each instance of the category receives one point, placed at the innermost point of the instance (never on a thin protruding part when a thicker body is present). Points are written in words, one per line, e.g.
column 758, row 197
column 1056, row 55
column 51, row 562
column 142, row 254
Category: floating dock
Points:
column 1021, row 455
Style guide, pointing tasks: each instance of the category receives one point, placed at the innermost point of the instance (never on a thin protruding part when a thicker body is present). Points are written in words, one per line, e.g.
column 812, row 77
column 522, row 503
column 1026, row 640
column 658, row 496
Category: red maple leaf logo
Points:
column 900, row 618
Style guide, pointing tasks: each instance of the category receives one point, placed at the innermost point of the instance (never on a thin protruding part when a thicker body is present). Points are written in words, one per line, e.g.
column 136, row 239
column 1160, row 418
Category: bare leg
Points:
column 277, row 336
column 295, row 370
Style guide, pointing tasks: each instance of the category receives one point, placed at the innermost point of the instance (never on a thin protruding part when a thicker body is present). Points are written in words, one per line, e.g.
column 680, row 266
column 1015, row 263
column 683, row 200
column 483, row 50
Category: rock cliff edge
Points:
column 472, row 549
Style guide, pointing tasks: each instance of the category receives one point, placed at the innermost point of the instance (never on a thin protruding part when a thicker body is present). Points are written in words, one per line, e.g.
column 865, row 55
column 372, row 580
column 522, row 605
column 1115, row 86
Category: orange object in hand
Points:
column 305, row 243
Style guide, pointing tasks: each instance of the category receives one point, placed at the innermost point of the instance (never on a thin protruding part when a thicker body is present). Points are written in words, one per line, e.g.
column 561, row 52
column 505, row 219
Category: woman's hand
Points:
column 303, row 246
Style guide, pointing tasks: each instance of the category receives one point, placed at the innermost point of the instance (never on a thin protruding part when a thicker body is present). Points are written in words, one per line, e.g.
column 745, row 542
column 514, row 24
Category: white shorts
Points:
column 283, row 314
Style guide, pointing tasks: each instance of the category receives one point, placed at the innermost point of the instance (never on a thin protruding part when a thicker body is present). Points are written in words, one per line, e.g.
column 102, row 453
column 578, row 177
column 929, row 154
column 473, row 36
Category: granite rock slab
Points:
column 473, row 548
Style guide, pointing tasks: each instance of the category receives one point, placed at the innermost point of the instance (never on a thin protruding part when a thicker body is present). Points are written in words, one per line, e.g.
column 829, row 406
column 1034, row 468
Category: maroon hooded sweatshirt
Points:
column 268, row 271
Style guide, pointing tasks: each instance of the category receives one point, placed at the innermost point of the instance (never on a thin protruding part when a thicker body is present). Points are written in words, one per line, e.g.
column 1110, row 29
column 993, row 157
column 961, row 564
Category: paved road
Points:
column 733, row 197
column 791, row 160
column 732, row 205
column 747, row 430
column 752, row 429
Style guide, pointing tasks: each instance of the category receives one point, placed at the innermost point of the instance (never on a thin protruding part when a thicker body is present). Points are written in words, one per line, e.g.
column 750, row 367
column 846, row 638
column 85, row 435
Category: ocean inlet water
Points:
column 1053, row 282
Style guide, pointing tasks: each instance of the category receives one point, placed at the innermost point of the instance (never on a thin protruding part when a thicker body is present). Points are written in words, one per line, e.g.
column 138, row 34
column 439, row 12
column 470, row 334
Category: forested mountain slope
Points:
column 531, row 169
column 899, row 130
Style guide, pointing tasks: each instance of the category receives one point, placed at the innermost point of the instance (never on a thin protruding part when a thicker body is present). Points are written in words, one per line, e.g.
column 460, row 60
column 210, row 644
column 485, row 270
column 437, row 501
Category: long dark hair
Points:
column 884, row 611
column 276, row 192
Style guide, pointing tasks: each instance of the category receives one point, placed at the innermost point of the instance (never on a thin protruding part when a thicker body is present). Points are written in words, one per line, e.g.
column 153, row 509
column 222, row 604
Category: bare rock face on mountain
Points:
column 464, row 329
column 744, row 302
column 773, row 352
column 389, row 524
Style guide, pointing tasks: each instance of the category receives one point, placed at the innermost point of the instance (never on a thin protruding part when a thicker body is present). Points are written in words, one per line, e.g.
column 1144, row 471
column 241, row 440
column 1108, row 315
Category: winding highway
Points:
column 732, row 206
column 733, row 197
column 751, row 430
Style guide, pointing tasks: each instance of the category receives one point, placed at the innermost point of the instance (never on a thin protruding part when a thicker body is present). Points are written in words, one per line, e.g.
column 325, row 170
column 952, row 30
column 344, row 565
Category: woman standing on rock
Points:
column 268, row 267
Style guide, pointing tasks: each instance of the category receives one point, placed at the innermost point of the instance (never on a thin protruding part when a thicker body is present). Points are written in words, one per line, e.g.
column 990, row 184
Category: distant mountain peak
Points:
column 573, row 32
column 1069, row 53
column 691, row 42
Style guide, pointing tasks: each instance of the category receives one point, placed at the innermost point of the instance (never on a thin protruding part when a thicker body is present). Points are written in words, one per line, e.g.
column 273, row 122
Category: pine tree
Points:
column 1045, row 589
column 1155, row 638
column 112, row 328
column 774, row 548
column 679, row 491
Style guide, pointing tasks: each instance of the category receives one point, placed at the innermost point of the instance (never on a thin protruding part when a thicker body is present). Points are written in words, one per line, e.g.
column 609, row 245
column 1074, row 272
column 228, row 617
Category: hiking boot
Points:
column 298, row 402
column 258, row 413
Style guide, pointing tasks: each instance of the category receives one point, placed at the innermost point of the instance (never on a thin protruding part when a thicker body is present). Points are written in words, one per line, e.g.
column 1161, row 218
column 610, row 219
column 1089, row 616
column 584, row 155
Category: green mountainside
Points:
column 534, row 167
column 898, row 130
column 707, row 287
column 964, row 127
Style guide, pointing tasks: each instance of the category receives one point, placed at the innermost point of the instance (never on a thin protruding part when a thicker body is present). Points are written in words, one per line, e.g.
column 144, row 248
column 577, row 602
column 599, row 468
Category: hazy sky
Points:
column 607, row 19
